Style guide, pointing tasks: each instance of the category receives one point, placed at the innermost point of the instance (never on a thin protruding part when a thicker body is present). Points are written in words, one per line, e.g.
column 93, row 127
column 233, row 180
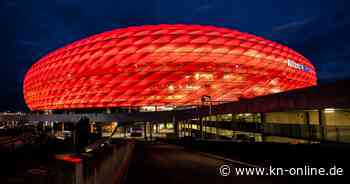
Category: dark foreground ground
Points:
column 165, row 163
column 159, row 162
column 28, row 160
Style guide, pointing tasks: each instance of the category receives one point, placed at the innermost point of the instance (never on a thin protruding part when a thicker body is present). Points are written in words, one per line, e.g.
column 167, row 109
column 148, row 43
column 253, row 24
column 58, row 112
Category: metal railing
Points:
column 339, row 134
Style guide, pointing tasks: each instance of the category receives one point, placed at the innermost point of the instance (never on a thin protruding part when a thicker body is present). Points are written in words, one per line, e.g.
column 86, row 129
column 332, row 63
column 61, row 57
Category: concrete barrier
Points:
column 106, row 166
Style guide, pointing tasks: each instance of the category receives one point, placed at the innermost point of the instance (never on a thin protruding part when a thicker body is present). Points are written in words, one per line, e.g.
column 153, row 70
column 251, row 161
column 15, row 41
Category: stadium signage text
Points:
column 293, row 64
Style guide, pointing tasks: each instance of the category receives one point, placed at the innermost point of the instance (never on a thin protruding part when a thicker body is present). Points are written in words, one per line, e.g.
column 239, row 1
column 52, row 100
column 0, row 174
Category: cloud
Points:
column 293, row 25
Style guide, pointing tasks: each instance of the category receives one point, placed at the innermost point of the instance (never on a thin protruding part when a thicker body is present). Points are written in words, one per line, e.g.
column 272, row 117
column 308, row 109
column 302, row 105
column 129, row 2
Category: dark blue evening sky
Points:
column 318, row 29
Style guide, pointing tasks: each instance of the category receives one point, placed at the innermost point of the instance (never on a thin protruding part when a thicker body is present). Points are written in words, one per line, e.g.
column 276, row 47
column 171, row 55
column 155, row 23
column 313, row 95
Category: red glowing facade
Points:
column 163, row 65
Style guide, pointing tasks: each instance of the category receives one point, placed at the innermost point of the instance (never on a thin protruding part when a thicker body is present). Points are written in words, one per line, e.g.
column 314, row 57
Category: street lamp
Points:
column 205, row 99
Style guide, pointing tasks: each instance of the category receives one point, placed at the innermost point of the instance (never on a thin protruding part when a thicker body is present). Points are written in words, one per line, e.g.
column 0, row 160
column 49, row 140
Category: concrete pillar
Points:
column 190, row 124
column 263, row 122
column 62, row 128
column 322, row 124
column 183, row 128
column 338, row 132
column 74, row 132
column 188, row 128
column 204, row 129
column 44, row 127
column 157, row 128
column 201, row 127
column 176, row 127
column 150, row 130
column 51, row 126
column 308, row 126
column 263, row 118
column 145, row 130
column 183, row 125
column 217, row 132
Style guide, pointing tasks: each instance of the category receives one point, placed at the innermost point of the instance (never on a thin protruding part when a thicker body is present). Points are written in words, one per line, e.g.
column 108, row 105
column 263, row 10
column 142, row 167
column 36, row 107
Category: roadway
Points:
column 164, row 163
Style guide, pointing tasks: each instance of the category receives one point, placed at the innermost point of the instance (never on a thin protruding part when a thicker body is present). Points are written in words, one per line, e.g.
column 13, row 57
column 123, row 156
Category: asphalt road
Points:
column 164, row 163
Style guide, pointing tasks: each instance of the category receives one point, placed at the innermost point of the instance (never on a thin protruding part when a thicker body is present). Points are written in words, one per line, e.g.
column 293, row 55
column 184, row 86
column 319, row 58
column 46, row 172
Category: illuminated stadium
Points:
column 163, row 65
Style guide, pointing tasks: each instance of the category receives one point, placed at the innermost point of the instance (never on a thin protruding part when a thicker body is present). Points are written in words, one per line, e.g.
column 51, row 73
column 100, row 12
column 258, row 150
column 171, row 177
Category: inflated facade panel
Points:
column 163, row 65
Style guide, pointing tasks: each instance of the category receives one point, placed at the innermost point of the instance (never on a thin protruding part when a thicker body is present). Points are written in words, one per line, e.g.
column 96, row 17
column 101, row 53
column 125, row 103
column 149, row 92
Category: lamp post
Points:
column 207, row 98
column 204, row 99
